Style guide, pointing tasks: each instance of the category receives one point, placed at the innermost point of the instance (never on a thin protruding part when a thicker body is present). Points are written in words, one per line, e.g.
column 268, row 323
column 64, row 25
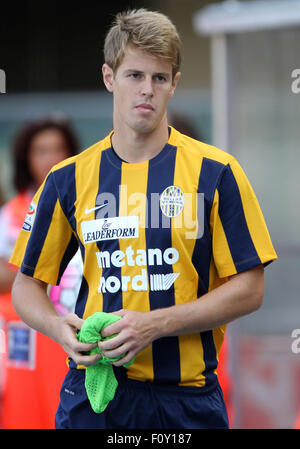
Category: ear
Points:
column 108, row 76
column 174, row 84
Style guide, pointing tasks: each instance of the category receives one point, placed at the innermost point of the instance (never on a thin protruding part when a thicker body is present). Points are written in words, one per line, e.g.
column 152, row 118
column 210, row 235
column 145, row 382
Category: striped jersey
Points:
column 151, row 234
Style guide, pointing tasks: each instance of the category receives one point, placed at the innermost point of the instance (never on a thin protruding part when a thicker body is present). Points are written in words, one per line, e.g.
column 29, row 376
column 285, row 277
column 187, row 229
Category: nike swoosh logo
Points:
column 88, row 211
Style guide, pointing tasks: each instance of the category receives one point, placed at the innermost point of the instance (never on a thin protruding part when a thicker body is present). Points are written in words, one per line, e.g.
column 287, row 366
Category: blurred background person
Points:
column 184, row 125
column 30, row 388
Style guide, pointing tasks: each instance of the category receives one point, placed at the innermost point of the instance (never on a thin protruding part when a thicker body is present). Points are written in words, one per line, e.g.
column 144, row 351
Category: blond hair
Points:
column 148, row 30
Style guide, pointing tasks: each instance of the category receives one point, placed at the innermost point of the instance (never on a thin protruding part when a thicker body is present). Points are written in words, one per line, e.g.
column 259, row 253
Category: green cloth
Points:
column 100, row 380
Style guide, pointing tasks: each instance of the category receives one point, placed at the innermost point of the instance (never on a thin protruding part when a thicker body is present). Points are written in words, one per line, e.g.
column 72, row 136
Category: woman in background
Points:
column 30, row 389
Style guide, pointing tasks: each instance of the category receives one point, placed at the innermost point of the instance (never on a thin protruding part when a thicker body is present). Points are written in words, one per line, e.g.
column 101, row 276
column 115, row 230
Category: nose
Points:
column 147, row 87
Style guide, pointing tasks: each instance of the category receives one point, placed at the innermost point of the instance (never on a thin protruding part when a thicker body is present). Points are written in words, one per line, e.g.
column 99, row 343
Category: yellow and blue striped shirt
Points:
column 152, row 234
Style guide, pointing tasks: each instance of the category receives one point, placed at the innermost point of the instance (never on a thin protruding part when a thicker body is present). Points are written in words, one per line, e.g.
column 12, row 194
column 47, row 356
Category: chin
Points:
column 145, row 127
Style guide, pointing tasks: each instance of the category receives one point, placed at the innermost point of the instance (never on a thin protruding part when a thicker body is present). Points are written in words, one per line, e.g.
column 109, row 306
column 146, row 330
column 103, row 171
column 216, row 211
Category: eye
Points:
column 134, row 75
column 160, row 78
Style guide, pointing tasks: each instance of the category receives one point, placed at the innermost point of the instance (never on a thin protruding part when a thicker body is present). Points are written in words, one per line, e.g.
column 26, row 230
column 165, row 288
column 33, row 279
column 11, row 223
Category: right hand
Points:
column 67, row 338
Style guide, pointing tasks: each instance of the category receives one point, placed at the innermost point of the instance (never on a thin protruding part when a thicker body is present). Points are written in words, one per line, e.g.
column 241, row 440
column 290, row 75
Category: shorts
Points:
column 141, row 405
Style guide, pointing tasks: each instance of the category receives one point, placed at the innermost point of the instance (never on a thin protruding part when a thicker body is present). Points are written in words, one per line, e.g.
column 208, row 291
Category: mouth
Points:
column 145, row 108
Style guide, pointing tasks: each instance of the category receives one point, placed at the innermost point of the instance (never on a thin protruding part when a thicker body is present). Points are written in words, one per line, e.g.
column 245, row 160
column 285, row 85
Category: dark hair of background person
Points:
column 22, row 178
column 184, row 125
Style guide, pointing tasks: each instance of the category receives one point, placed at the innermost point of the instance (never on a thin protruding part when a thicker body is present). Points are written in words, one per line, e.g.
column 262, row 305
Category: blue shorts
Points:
column 141, row 405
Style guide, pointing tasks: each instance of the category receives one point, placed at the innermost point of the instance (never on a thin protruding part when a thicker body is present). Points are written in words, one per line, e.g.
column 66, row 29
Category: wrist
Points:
column 53, row 328
column 165, row 322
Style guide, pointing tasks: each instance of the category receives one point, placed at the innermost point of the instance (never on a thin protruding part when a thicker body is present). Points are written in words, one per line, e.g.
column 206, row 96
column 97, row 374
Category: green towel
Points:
column 100, row 380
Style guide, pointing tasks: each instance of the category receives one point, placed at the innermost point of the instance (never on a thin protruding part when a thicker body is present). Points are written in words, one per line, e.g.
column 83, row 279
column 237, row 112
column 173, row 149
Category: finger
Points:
column 85, row 347
column 78, row 351
column 112, row 329
column 86, row 360
column 124, row 360
column 76, row 345
column 117, row 352
column 111, row 343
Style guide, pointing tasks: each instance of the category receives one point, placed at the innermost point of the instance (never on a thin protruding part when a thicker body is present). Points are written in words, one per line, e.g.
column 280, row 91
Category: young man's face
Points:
column 142, row 86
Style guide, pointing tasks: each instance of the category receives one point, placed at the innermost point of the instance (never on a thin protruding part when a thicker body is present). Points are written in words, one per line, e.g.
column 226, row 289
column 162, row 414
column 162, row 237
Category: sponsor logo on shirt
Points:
column 140, row 257
column 110, row 229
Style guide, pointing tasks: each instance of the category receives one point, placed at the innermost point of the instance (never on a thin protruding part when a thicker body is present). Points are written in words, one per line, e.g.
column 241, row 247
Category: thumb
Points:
column 120, row 312
column 73, row 320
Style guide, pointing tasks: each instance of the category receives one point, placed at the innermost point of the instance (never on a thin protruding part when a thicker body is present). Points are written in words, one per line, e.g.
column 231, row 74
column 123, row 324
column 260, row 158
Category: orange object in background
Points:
column 34, row 367
column 225, row 379
column 32, row 370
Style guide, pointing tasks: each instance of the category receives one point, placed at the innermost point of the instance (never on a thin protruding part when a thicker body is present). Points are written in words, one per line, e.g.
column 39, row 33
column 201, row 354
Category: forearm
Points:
column 234, row 299
column 33, row 305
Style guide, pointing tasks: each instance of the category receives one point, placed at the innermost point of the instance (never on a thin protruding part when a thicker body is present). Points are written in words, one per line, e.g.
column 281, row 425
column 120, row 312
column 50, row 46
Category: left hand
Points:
column 135, row 331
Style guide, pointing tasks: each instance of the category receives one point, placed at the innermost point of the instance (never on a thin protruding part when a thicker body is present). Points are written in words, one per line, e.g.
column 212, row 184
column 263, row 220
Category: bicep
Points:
column 22, row 280
column 250, row 284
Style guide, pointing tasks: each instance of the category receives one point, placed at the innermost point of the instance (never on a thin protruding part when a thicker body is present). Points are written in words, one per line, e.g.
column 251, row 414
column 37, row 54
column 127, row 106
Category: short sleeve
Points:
column 46, row 242
column 240, row 238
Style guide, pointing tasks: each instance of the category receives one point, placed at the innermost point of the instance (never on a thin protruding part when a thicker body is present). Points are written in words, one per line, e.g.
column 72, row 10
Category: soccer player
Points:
column 172, row 240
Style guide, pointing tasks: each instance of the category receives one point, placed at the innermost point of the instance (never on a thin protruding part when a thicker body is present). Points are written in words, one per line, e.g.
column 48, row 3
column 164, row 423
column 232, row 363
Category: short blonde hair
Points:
column 148, row 30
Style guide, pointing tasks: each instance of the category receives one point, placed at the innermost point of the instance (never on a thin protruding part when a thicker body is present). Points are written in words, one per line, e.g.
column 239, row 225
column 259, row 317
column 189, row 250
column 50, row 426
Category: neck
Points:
column 135, row 146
